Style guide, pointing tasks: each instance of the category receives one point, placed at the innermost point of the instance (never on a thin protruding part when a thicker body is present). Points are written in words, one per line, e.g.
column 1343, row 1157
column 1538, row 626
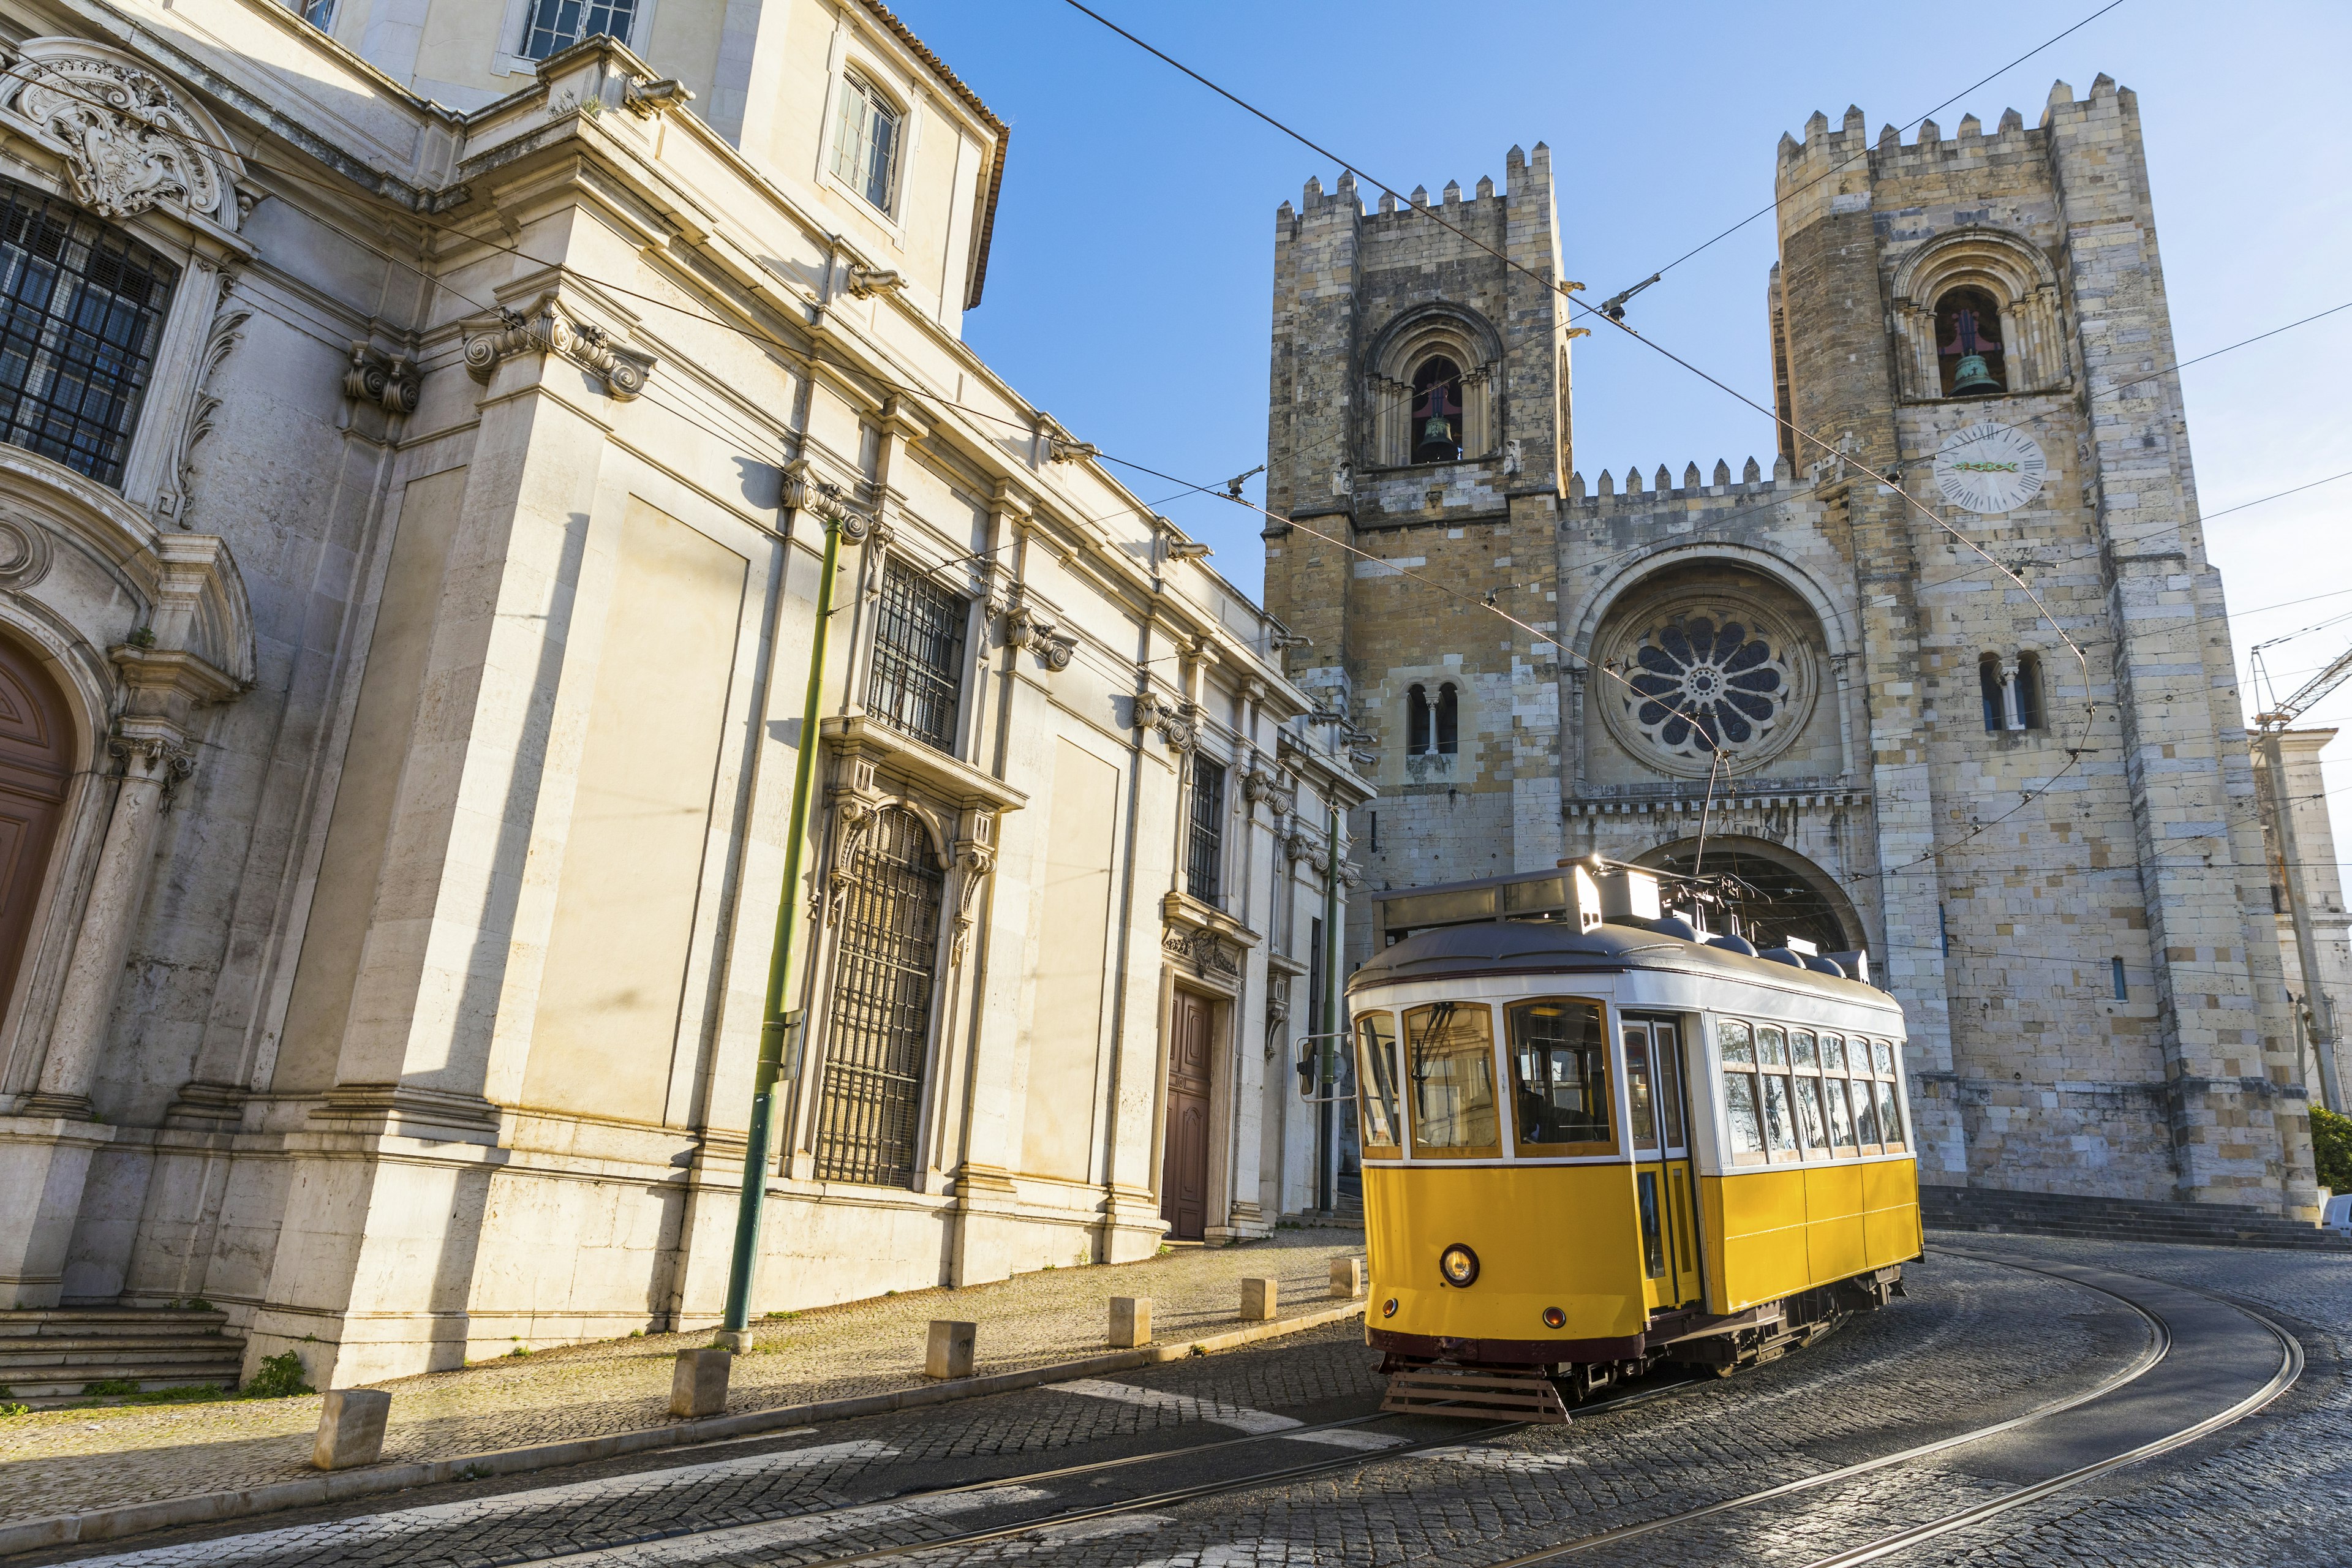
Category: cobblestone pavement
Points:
column 63, row 1461
column 1973, row 1343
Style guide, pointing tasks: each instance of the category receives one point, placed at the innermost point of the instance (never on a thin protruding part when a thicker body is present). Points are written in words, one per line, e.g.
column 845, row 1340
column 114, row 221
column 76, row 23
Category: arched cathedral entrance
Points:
column 1782, row 893
column 36, row 765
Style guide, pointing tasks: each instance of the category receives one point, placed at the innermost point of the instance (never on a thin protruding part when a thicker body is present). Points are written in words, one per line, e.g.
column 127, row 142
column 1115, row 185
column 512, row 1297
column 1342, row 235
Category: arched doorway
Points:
column 37, row 741
column 1779, row 894
column 879, row 1034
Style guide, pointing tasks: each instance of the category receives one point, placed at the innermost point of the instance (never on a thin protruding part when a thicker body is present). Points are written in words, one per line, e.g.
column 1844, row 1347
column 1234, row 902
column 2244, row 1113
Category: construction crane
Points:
column 2269, row 726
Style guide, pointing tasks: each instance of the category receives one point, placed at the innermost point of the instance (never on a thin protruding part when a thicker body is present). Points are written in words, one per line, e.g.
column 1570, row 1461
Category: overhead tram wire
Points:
column 1912, row 125
column 2083, row 659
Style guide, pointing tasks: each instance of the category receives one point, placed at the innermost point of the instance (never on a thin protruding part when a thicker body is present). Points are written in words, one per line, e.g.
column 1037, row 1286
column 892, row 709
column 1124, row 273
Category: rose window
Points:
column 1700, row 685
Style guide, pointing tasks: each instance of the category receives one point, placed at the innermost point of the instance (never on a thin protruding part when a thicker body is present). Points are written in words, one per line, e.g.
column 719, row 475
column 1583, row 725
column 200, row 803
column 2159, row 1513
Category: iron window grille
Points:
column 918, row 656
column 865, row 142
column 872, row 1103
column 557, row 25
column 81, row 309
column 1208, row 844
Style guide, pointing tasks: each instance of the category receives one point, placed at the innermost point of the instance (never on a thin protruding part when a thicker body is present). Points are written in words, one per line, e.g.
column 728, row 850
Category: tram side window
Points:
column 1805, row 1059
column 1560, row 1066
column 1736, row 1044
column 1376, row 1084
column 1834, row 1095
column 1780, row 1112
column 1450, row 1062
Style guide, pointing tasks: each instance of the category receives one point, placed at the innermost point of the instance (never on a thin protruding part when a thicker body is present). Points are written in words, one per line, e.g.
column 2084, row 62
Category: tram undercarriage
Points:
column 1489, row 1381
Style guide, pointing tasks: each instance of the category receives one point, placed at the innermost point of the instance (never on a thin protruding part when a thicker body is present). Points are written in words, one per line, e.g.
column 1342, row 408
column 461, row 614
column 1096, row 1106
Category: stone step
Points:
column 66, row 1387
column 45, row 1351
column 83, row 1322
column 2127, row 1219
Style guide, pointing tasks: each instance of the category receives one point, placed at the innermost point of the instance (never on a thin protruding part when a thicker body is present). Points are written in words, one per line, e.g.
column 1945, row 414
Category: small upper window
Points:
column 1437, row 411
column 557, row 25
column 1449, row 721
column 865, row 142
column 1989, row 692
column 320, row 14
column 1205, row 865
column 81, row 309
column 1967, row 343
column 2029, row 691
column 918, row 676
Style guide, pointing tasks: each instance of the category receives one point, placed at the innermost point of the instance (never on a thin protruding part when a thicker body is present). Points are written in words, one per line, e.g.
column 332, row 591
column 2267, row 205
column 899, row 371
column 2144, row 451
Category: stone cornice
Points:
column 926, row 768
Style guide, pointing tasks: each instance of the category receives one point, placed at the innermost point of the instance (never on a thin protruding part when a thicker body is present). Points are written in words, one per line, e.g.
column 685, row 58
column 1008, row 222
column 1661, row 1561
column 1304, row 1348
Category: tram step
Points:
column 1477, row 1392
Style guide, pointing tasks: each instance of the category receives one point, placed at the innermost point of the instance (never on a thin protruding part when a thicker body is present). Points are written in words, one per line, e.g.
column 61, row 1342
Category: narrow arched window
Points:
column 1449, row 721
column 1437, row 411
column 2029, row 691
column 81, row 309
column 865, row 142
column 1989, row 691
column 1968, row 345
column 879, row 1041
column 1417, row 735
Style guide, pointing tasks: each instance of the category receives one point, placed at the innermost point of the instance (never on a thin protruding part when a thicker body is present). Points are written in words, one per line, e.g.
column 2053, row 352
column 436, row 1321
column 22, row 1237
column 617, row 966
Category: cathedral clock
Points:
column 1990, row 468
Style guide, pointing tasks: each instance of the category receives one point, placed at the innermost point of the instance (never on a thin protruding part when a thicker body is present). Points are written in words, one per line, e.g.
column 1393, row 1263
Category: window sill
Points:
column 1183, row 912
column 910, row 761
column 894, row 226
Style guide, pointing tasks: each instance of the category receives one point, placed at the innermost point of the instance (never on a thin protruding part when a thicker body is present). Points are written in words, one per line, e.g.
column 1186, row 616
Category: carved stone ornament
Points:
column 129, row 142
column 1203, row 951
column 153, row 758
column 391, row 381
column 1350, row 874
column 548, row 327
column 827, row 501
column 174, row 502
column 1173, row 720
column 852, row 821
column 1023, row 628
column 975, row 861
column 24, row 552
column 864, row 282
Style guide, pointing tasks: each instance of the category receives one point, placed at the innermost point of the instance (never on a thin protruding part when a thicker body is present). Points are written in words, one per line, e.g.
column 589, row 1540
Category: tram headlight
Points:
column 1554, row 1318
column 1459, row 1265
column 1387, row 1307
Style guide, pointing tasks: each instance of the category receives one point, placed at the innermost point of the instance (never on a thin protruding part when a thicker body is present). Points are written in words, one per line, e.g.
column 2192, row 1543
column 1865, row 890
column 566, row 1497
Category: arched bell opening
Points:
column 1437, row 411
column 1971, row 354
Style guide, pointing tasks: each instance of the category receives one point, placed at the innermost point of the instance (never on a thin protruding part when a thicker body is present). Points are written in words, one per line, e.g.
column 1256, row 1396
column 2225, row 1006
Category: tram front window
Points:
column 1450, row 1061
column 1560, row 1066
column 1376, row 1083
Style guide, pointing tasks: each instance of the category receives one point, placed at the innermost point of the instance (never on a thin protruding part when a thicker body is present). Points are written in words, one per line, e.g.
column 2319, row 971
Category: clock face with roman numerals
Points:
column 1990, row 468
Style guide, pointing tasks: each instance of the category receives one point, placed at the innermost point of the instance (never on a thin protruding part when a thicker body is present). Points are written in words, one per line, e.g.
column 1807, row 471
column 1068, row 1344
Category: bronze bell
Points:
column 1973, row 377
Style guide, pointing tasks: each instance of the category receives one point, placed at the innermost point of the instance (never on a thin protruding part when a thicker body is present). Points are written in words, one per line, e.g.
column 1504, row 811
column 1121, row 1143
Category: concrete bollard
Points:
column 1130, row 1321
column 1257, row 1301
column 698, row 1385
column 350, row 1428
column 1347, row 1277
column 949, row 1351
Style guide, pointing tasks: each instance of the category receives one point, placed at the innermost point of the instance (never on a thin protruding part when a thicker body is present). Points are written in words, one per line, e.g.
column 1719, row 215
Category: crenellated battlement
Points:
column 1521, row 170
column 1822, row 149
column 1605, row 495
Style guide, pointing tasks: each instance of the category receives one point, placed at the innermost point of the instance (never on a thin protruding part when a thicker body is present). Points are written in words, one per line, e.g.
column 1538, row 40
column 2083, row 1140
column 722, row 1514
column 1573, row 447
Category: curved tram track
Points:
column 2207, row 1362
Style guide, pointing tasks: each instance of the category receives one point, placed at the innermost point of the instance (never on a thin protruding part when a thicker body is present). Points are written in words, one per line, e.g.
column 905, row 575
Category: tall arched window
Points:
column 1437, row 411
column 1417, row 735
column 879, row 1033
column 1996, row 716
column 1449, row 721
column 1968, row 345
column 2030, row 713
column 81, row 309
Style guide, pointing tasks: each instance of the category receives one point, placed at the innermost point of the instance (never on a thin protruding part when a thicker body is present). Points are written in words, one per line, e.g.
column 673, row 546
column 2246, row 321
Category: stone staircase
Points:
column 49, row 1357
column 2118, row 1219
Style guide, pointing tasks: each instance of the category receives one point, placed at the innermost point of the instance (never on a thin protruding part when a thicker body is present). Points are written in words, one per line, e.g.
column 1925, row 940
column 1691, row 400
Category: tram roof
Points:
column 1555, row 947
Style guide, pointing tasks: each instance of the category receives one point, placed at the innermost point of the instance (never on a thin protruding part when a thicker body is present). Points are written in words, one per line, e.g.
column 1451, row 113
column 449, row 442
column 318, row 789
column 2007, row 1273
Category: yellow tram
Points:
column 1595, row 1140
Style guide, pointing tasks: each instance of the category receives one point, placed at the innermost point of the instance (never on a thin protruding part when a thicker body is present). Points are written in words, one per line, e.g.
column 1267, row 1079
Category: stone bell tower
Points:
column 1418, row 435
column 2069, row 874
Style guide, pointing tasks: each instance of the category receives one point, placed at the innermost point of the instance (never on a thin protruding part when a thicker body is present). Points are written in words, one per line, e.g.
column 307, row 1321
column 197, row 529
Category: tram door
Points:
column 1664, row 1182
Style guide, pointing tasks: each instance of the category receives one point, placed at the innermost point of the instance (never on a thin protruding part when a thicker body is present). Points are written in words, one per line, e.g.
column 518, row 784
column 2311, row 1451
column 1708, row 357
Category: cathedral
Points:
column 1949, row 682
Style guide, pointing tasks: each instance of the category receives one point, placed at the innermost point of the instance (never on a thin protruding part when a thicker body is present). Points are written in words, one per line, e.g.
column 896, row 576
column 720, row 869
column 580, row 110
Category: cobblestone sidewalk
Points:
column 63, row 1461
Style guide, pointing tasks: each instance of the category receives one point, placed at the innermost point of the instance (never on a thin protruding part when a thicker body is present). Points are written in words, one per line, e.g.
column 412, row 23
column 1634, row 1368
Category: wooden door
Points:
column 1184, row 1173
column 35, row 762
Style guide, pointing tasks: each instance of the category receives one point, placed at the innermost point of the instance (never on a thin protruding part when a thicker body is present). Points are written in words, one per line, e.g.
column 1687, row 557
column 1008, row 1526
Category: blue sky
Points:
column 1129, row 288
